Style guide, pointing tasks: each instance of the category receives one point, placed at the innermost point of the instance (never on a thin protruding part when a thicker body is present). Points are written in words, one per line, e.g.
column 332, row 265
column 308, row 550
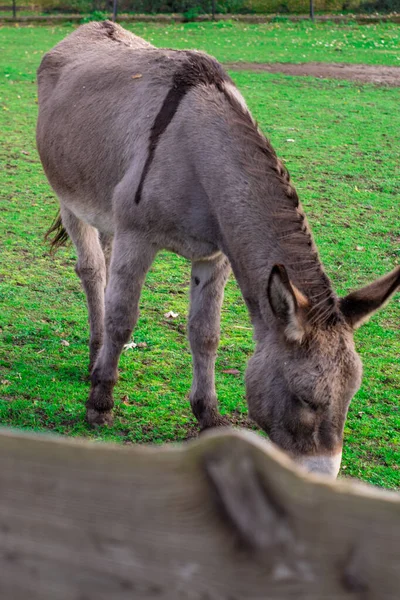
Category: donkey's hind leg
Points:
column 206, row 294
column 91, row 269
column 131, row 258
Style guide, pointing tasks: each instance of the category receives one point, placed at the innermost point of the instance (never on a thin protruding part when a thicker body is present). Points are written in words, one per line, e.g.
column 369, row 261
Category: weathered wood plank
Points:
column 226, row 517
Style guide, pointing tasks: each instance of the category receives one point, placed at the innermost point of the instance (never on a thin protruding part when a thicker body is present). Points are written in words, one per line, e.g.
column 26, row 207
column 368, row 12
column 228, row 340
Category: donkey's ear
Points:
column 358, row 306
column 287, row 303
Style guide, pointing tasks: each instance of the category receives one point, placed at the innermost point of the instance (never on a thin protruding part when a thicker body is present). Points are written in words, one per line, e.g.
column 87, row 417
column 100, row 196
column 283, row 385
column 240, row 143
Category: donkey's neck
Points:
column 272, row 233
column 262, row 222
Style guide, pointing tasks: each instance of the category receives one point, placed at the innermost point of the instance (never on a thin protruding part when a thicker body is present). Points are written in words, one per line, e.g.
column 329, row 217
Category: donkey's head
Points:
column 303, row 375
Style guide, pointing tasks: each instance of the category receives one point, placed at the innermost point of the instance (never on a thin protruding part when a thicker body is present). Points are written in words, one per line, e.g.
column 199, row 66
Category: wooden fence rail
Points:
column 226, row 517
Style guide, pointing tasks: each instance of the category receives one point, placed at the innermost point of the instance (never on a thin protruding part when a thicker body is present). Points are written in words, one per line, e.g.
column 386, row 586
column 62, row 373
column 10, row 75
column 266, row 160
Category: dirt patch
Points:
column 377, row 74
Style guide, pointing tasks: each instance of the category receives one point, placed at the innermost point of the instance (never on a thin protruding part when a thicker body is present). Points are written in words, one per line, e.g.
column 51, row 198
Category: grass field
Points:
column 344, row 162
column 268, row 42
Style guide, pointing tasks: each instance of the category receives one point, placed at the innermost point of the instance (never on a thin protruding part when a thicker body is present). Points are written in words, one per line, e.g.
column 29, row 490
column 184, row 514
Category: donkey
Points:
column 151, row 149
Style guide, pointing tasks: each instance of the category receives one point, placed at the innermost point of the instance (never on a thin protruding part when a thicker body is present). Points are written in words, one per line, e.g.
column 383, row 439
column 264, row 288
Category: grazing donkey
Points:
column 149, row 149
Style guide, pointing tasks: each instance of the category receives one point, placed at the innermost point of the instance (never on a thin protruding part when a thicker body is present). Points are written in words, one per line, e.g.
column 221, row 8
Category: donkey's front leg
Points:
column 206, row 294
column 131, row 259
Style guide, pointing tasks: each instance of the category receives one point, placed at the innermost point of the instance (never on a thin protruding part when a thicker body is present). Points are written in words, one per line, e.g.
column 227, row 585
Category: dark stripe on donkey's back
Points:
column 198, row 69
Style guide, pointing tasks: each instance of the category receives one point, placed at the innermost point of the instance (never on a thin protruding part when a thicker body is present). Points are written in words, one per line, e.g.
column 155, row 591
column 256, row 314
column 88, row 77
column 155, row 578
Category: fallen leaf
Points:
column 5, row 382
column 231, row 371
column 137, row 76
column 64, row 343
column 130, row 346
column 171, row 315
column 125, row 399
column 142, row 345
column 290, row 140
column 23, row 152
column 360, row 248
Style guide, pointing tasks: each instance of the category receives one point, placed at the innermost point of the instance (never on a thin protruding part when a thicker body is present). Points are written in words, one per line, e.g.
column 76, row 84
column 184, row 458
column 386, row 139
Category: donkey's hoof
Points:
column 98, row 418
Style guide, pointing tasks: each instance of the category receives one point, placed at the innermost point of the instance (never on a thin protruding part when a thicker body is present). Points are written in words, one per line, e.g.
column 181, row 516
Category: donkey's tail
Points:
column 60, row 236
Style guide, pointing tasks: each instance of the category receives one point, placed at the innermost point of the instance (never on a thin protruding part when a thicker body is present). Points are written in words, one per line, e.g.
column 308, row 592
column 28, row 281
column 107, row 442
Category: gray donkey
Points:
column 149, row 149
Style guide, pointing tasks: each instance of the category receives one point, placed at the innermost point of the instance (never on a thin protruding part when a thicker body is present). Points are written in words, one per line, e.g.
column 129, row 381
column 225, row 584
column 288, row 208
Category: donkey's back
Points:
column 88, row 45
column 100, row 91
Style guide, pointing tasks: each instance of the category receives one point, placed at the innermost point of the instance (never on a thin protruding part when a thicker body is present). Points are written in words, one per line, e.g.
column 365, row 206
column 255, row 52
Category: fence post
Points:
column 115, row 10
column 14, row 9
column 213, row 9
column 312, row 10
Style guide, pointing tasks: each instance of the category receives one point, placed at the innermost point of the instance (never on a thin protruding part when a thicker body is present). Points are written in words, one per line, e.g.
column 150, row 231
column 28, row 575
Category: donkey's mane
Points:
column 289, row 221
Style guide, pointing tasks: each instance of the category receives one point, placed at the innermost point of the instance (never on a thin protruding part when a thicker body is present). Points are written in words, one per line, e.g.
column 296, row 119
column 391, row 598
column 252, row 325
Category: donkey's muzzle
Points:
column 322, row 464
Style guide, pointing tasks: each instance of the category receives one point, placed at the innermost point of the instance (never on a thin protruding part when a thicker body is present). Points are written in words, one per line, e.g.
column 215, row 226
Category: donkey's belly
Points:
column 192, row 249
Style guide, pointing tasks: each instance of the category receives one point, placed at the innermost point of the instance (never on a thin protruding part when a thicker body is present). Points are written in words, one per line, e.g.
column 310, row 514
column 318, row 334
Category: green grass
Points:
column 283, row 41
column 267, row 42
column 344, row 162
